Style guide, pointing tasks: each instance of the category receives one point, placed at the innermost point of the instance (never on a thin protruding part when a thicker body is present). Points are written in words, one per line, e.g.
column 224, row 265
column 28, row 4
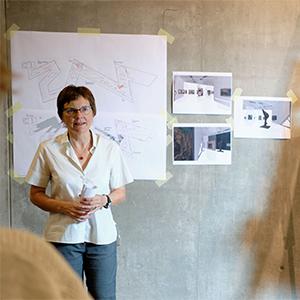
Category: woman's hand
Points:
column 77, row 210
column 94, row 203
column 74, row 208
column 83, row 208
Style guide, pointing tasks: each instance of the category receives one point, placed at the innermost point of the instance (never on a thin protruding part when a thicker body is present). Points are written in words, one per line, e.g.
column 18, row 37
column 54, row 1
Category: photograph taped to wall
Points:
column 262, row 117
column 202, row 93
column 201, row 144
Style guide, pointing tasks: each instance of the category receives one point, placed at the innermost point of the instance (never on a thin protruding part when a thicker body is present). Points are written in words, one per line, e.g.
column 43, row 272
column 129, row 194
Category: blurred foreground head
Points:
column 5, row 77
column 30, row 268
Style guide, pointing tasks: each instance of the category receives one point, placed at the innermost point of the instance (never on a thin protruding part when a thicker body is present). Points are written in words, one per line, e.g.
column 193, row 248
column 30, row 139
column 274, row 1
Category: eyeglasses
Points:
column 73, row 111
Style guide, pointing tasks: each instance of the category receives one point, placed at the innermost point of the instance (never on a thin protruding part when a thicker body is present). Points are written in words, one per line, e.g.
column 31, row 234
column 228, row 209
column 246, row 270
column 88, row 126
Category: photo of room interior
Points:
column 257, row 117
column 202, row 144
column 202, row 93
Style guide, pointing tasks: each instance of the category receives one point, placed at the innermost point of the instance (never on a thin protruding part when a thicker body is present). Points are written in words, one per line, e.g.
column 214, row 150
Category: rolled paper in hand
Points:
column 88, row 192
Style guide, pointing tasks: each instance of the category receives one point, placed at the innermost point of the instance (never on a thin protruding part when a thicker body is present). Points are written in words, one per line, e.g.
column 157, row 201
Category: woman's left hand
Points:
column 94, row 203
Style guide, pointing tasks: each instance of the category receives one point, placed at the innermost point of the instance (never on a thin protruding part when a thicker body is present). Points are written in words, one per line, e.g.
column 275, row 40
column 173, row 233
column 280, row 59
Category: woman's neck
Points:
column 80, row 140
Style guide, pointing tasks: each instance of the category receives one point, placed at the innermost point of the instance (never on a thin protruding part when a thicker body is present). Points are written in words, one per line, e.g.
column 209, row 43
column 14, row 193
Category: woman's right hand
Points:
column 77, row 210
column 74, row 209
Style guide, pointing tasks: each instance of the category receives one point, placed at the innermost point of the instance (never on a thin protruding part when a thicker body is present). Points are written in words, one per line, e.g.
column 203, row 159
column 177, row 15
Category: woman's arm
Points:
column 74, row 209
column 116, row 196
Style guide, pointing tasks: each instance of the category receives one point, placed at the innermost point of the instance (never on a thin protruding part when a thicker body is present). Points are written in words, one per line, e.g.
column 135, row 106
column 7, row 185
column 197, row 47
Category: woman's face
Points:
column 78, row 115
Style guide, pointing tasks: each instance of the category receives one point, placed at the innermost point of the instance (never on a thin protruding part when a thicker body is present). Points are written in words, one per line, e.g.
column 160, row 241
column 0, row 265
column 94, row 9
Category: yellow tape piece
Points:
column 159, row 183
column 14, row 176
column 10, row 31
column 170, row 37
column 88, row 30
column 229, row 121
column 237, row 93
column 171, row 120
column 169, row 139
column 13, row 109
column 292, row 96
column 163, row 113
column 10, row 138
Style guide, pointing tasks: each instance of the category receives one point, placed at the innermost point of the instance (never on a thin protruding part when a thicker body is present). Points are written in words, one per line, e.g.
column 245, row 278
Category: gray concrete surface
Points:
column 210, row 232
column 4, row 144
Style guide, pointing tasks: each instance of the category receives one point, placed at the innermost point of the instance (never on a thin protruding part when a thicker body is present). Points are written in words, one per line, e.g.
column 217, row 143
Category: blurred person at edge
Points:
column 81, row 227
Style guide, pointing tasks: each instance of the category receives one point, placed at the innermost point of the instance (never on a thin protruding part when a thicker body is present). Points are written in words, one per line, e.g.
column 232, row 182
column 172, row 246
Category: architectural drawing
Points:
column 47, row 72
column 128, row 134
column 29, row 121
column 50, row 125
column 36, row 124
column 121, row 86
column 127, row 76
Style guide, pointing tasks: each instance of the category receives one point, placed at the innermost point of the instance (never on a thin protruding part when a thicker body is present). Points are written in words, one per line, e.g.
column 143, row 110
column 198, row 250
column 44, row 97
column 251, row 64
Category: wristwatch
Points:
column 108, row 201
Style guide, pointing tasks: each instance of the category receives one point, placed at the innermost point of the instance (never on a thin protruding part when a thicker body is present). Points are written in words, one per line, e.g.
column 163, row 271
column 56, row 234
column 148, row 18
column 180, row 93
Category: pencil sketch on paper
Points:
column 48, row 72
column 126, row 74
column 128, row 134
column 122, row 86
column 37, row 124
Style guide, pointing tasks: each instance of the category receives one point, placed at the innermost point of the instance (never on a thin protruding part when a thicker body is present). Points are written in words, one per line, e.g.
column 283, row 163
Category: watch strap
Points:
column 108, row 201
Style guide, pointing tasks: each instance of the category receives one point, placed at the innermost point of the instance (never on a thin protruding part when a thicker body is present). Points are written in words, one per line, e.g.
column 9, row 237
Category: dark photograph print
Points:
column 201, row 144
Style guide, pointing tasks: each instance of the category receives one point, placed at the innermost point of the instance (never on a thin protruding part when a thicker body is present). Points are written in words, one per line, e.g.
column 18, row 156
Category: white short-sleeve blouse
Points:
column 55, row 163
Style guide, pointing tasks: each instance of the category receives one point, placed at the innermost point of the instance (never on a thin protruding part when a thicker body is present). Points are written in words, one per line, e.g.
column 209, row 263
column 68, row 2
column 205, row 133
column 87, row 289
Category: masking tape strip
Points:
column 171, row 120
column 10, row 138
column 13, row 109
column 163, row 113
column 159, row 183
column 88, row 30
column 237, row 93
column 229, row 121
column 170, row 37
column 169, row 139
column 14, row 176
column 10, row 31
column 292, row 96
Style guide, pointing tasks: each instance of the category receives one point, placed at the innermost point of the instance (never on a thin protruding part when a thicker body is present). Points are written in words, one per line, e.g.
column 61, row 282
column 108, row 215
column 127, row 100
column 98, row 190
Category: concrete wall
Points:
column 4, row 144
column 210, row 232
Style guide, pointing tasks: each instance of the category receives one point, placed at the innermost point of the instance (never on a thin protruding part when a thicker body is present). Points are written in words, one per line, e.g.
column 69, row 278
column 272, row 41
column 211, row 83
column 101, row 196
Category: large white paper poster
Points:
column 127, row 75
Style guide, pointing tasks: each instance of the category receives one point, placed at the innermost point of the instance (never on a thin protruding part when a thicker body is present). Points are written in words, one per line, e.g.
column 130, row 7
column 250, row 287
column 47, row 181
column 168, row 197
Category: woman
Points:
column 81, row 228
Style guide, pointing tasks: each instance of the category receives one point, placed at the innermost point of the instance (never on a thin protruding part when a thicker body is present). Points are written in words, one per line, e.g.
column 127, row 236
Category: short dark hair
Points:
column 72, row 92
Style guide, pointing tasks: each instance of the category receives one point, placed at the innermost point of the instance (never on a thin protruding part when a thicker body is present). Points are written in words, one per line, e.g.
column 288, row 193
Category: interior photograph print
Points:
column 202, row 93
column 262, row 117
column 201, row 144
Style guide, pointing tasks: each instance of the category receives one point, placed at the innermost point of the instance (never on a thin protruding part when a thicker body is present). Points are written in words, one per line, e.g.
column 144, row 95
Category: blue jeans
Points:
column 97, row 262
